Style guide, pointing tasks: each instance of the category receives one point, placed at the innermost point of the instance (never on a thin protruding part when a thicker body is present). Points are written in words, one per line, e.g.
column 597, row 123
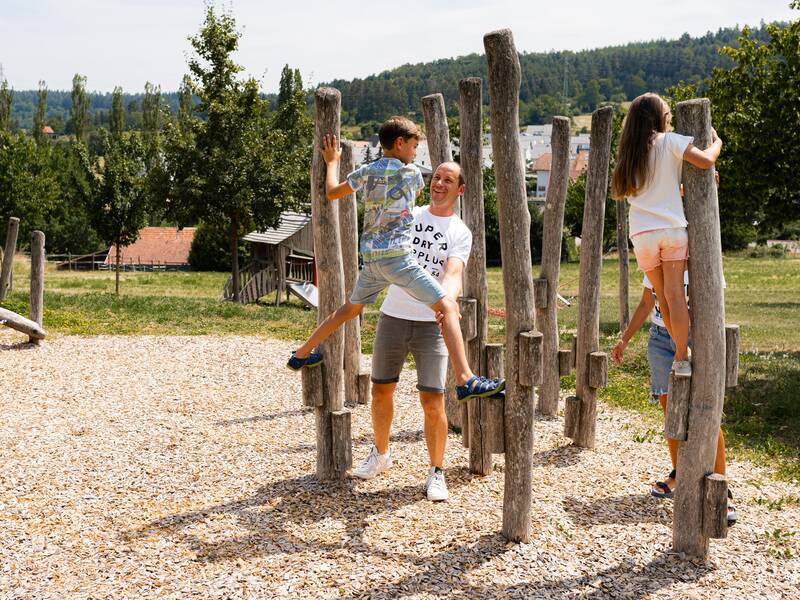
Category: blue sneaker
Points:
column 480, row 387
column 314, row 359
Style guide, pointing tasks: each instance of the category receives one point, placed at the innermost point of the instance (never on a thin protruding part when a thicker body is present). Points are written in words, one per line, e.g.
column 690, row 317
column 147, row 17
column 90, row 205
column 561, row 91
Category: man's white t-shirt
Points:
column 659, row 205
column 434, row 241
column 655, row 316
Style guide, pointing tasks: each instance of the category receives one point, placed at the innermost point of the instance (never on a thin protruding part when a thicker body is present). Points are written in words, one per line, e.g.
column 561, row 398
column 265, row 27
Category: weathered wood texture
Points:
column 564, row 364
column 696, row 455
column 591, row 265
column 573, row 351
column 572, row 414
column 480, row 442
column 624, row 275
column 469, row 326
column 715, row 506
column 731, row 356
column 8, row 257
column 504, row 82
column 470, row 114
column 19, row 323
column 348, row 230
column 330, row 280
column 342, row 440
column 311, row 380
column 36, row 303
column 547, row 315
column 676, row 417
column 363, row 387
column 530, row 358
column 438, row 138
column 598, row 369
column 495, row 368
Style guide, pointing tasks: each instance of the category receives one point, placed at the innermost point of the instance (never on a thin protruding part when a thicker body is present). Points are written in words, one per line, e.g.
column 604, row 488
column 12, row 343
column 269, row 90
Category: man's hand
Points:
column 618, row 351
column 331, row 152
column 440, row 316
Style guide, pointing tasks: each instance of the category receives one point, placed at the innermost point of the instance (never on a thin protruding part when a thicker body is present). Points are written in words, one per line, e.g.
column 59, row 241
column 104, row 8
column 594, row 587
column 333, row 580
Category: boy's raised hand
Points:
column 617, row 353
column 331, row 152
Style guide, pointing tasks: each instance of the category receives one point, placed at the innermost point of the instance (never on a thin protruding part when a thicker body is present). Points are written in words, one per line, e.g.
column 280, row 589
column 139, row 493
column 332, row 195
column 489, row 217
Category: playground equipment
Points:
column 31, row 327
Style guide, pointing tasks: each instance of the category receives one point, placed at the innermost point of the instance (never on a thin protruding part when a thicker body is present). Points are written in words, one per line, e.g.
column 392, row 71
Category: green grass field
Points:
column 762, row 416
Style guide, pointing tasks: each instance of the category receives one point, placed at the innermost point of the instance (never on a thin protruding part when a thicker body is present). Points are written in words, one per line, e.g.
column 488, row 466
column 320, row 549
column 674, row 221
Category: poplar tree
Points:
column 6, row 99
column 39, row 118
column 80, row 107
column 117, row 122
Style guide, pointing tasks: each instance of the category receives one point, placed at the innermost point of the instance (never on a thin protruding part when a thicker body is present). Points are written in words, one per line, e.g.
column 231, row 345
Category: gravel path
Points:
column 182, row 467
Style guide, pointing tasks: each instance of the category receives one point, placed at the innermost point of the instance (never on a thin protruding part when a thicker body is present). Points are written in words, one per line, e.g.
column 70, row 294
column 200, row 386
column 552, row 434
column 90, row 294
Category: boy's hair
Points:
column 645, row 118
column 397, row 127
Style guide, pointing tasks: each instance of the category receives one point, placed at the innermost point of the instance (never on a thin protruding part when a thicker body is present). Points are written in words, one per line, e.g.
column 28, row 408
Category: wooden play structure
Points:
column 32, row 326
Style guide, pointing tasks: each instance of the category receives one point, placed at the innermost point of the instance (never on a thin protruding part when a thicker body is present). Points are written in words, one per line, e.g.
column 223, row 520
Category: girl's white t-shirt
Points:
column 659, row 205
column 434, row 240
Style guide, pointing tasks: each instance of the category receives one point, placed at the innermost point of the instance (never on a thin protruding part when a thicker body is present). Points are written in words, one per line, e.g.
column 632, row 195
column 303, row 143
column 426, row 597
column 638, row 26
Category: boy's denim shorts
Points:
column 660, row 354
column 404, row 272
column 395, row 338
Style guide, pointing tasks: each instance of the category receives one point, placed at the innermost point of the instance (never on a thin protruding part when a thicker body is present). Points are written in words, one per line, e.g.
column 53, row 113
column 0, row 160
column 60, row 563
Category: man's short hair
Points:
column 397, row 127
column 461, row 180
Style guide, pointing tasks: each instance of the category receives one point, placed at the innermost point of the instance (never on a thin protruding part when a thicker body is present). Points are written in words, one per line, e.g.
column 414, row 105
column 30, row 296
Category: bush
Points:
column 764, row 251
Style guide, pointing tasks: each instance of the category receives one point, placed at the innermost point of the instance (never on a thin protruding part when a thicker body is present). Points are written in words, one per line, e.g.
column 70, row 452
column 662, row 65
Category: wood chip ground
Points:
column 182, row 467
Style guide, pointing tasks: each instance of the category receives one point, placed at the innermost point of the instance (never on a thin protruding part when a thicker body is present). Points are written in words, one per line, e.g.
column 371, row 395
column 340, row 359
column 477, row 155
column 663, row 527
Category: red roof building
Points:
column 168, row 246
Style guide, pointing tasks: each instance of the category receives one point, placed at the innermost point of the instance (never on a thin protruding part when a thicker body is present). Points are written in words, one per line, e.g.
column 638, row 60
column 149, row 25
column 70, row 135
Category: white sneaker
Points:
column 374, row 464
column 682, row 367
column 435, row 487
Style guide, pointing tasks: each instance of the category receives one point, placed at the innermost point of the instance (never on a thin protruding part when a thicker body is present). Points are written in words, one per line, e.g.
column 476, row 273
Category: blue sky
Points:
column 129, row 42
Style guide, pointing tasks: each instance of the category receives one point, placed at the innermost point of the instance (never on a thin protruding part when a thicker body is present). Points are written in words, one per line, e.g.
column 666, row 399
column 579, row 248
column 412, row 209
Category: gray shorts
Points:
column 402, row 271
column 395, row 337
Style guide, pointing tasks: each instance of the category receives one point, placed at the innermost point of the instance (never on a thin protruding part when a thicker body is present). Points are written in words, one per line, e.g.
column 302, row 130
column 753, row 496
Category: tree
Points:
column 228, row 169
column 151, row 122
column 185, row 105
column 80, row 107
column 40, row 118
column 117, row 122
column 116, row 195
column 6, row 99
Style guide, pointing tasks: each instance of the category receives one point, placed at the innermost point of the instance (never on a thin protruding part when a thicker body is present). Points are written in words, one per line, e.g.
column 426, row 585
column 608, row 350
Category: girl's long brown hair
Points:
column 646, row 117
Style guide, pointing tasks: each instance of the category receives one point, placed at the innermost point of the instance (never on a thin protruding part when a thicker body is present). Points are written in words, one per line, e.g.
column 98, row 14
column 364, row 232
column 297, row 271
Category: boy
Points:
column 392, row 184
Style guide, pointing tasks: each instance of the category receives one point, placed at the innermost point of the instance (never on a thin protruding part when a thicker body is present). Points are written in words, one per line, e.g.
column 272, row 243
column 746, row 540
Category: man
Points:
column 441, row 244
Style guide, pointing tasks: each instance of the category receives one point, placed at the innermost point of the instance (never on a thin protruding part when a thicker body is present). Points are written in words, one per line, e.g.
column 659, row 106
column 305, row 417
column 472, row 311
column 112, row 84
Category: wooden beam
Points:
column 36, row 310
column 731, row 356
column 676, row 417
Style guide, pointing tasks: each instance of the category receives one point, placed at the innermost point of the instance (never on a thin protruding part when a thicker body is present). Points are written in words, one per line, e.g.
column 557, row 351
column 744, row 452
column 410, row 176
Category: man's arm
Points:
column 331, row 154
column 453, row 274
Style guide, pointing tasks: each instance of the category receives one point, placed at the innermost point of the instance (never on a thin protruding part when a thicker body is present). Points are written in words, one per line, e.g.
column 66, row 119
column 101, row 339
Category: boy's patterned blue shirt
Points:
column 390, row 188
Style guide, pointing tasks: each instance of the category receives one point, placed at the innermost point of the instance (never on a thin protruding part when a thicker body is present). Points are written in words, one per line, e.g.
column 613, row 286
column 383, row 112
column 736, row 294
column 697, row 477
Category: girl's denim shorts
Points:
column 660, row 354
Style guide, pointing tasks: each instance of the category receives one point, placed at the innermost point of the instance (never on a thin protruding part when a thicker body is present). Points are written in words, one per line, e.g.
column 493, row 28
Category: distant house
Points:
column 158, row 248
column 48, row 131
column 543, row 165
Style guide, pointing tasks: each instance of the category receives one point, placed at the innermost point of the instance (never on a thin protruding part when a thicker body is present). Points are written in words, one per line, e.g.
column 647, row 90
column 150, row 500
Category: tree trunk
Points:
column 589, row 278
column 235, row 256
column 327, row 253
column 547, row 316
column 696, row 455
column 37, row 280
column 8, row 257
column 116, row 278
column 504, row 84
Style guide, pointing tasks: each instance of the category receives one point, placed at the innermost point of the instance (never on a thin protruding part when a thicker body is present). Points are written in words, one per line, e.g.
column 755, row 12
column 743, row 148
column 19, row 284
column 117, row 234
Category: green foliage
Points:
column 6, row 102
column 40, row 119
column 211, row 249
column 80, row 107
column 117, row 123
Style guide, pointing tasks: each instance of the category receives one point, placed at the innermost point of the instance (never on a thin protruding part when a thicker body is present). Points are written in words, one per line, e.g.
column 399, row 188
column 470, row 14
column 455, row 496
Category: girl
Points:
column 660, row 353
column 648, row 174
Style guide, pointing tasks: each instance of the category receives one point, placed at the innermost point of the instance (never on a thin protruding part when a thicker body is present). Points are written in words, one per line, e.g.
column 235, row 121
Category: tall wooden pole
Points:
column 504, row 84
column 696, row 454
column 589, row 278
column 348, row 224
column 327, row 254
column 622, row 251
column 475, row 284
column 546, row 316
column 8, row 257
column 36, row 310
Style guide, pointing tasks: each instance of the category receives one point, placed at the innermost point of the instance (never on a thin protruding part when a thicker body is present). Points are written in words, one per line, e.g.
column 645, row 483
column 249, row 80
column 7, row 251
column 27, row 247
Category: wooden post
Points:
column 696, row 455
column 348, row 225
column 589, row 279
column 468, row 308
column 37, row 280
column 622, row 251
column 312, row 386
column 8, row 257
column 493, row 356
column 676, row 417
column 342, row 440
column 598, row 369
column 564, row 363
column 327, row 254
column 715, row 506
column 470, row 114
column 731, row 356
column 504, row 83
column 530, row 358
column 438, row 137
column 572, row 414
column 547, row 315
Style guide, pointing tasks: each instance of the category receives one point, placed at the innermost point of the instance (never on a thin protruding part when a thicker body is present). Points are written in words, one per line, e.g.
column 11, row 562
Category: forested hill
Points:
column 615, row 73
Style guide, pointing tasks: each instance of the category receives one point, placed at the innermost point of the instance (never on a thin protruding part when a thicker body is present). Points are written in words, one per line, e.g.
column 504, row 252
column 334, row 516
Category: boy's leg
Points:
column 719, row 461
column 451, row 331
column 675, row 296
column 332, row 322
column 382, row 411
column 671, row 444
